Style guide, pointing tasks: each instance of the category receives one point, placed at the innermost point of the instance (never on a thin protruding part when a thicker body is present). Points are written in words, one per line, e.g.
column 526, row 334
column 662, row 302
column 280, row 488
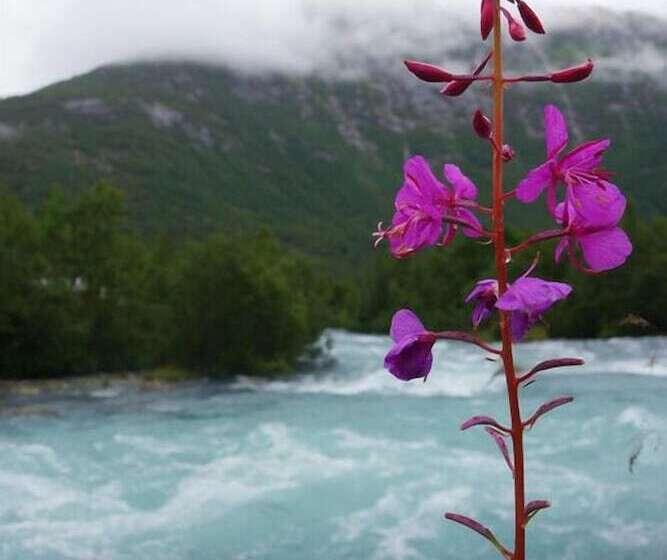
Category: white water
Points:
column 345, row 464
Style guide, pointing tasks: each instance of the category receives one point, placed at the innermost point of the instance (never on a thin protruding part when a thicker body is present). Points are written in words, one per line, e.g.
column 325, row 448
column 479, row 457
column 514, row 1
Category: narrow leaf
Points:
column 478, row 528
column 532, row 508
column 547, row 407
column 500, row 442
column 483, row 421
column 536, row 505
column 551, row 364
column 471, row 524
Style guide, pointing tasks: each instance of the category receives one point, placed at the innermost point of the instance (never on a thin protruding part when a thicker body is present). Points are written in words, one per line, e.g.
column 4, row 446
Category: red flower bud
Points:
column 428, row 72
column 507, row 152
column 573, row 74
column 482, row 125
column 487, row 18
column 530, row 18
column 456, row 88
column 517, row 31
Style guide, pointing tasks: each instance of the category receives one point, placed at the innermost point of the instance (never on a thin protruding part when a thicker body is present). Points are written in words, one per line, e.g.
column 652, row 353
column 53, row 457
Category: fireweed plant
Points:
column 586, row 209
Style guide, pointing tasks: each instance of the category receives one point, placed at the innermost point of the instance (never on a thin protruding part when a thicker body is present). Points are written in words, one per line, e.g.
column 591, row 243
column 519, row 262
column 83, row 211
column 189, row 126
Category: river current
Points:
column 344, row 463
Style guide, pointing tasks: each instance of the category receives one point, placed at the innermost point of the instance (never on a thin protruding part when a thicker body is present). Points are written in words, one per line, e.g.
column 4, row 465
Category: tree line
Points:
column 80, row 292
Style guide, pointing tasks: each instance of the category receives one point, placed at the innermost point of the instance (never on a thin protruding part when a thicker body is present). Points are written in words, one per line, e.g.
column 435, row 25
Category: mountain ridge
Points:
column 198, row 147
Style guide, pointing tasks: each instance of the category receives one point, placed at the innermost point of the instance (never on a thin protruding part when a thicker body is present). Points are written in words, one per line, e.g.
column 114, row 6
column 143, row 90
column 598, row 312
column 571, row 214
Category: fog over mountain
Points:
column 44, row 42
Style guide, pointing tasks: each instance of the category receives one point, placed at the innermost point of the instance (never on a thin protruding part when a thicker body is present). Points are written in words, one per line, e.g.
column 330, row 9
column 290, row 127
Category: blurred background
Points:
column 192, row 314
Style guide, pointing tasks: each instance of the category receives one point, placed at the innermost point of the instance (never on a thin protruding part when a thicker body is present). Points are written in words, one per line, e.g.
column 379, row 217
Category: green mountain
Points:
column 318, row 159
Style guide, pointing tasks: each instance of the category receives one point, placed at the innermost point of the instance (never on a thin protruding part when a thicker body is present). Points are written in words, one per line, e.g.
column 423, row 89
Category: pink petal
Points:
column 596, row 205
column 408, row 196
column 463, row 186
column 418, row 174
column 416, row 233
column 521, row 323
column 450, row 234
column 480, row 312
column 534, row 183
column 405, row 323
column 532, row 295
column 476, row 229
column 555, row 130
column 562, row 245
column 605, row 250
column 411, row 358
column 586, row 156
column 482, row 289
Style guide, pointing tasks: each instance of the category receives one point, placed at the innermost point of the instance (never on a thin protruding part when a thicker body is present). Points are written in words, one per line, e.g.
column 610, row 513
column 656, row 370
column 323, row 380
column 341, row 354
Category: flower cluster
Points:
column 585, row 206
column 429, row 212
column 592, row 206
column 582, row 201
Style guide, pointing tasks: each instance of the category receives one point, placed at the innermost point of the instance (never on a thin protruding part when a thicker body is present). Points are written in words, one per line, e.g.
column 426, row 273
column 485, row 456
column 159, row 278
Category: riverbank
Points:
column 17, row 396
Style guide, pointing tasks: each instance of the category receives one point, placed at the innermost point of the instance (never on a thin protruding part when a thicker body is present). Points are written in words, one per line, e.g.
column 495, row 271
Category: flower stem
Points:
column 459, row 336
column 501, row 272
column 537, row 238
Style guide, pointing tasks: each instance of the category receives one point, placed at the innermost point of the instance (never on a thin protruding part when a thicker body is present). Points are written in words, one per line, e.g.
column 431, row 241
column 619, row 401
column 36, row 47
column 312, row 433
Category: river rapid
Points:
column 344, row 463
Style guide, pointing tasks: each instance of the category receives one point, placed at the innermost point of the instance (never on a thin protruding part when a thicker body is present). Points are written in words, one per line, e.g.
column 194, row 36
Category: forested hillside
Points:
column 317, row 158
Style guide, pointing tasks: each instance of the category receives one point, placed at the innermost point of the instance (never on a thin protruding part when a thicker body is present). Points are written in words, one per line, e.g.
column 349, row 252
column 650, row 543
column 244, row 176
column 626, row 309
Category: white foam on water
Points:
column 642, row 419
column 622, row 534
column 353, row 440
column 108, row 393
column 149, row 444
column 400, row 518
column 34, row 455
column 459, row 370
column 134, row 489
column 272, row 459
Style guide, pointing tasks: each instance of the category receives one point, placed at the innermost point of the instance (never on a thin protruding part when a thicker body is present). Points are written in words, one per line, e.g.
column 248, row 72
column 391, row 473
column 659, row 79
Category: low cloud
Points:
column 42, row 42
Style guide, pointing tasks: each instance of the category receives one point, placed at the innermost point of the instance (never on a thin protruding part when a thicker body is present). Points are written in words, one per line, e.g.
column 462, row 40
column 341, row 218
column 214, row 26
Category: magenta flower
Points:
column 527, row 299
column 459, row 200
column 423, row 203
column 579, row 167
column 410, row 357
column 485, row 294
column 420, row 208
column 591, row 222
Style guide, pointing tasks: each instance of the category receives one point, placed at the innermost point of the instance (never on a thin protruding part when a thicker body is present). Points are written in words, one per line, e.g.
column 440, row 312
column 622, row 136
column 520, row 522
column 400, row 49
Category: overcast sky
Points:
column 42, row 41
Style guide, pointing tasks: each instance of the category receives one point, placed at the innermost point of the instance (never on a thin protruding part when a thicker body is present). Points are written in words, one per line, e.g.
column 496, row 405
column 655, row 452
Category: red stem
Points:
column 463, row 223
column 539, row 78
column 537, row 238
column 466, row 337
column 501, row 272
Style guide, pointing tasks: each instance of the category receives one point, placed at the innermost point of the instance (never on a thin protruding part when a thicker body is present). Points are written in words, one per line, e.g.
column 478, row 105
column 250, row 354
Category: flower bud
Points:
column 517, row 31
column 487, row 18
column 507, row 152
column 482, row 125
column 573, row 74
column 456, row 88
column 428, row 72
column 530, row 18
